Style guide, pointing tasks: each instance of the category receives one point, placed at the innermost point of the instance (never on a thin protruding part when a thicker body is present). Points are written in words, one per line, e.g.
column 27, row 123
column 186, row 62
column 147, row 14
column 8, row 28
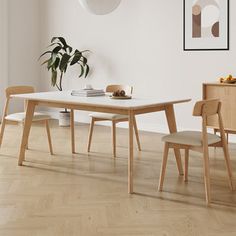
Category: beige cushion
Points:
column 20, row 117
column 192, row 138
column 107, row 116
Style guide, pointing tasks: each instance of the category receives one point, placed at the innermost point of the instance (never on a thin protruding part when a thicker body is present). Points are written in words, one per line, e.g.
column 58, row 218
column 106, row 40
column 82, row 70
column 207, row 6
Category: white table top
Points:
column 67, row 98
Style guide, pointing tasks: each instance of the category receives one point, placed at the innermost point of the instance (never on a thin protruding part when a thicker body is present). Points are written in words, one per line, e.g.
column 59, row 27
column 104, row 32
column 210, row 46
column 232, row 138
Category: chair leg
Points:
column 136, row 134
column 49, row 137
column 228, row 164
column 90, row 134
column 163, row 167
column 27, row 145
column 207, row 176
column 113, row 134
column 72, row 131
column 186, row 165
column 2, row 130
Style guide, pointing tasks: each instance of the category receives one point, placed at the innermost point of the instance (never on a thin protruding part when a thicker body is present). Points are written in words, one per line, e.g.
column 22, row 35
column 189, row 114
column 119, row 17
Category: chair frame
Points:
column 110, row 89
column 204, row 109
column 21, row 90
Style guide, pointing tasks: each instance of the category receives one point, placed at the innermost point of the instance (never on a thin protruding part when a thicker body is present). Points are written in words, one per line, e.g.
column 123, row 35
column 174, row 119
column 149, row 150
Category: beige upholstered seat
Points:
column 114, row 118
column 20, row 116
column 191, row 138
column 107, row 116
column 199, row 141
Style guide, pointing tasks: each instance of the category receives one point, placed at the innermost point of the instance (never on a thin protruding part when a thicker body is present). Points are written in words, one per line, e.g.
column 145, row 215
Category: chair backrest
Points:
column 15, row 90
column 113, row 88
column 18, row 90
column 207, row 107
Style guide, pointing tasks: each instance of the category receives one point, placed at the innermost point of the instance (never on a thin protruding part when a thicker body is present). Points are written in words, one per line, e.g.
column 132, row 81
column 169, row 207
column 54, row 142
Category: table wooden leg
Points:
column 72, row 127
column 170, row 116
column 27, row 126
column 131, row 152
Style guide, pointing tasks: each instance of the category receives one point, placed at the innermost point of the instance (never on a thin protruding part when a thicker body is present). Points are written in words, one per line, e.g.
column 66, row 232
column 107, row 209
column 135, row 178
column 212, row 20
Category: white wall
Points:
column 3, row 50
column 19, row 42
column 138, row 44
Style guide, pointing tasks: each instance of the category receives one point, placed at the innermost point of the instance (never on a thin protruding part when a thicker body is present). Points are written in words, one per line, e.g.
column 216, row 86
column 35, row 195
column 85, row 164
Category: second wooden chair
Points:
column 114, row 118
column 199, row 141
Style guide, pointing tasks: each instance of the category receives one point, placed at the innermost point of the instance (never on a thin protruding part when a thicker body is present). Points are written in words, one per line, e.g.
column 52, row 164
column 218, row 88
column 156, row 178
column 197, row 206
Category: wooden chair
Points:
column 20, row 117
column 114, row 118
column 199, row 141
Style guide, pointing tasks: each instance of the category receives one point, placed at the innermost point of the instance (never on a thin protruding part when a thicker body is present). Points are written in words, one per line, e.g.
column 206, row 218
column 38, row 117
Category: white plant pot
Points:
column 64, row 118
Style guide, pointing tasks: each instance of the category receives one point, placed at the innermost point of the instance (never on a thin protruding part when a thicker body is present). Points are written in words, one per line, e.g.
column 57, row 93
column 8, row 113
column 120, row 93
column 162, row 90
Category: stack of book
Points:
column 88, row 92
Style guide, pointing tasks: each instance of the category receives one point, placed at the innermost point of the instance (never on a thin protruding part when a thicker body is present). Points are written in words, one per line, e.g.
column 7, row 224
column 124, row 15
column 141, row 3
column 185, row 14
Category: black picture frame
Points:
column 207, row 49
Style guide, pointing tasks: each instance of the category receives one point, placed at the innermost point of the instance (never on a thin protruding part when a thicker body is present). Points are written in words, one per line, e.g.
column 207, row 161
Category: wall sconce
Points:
column 100, row 7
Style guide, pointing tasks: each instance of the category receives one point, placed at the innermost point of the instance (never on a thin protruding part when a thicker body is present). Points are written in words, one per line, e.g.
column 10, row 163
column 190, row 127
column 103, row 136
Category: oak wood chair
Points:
column 114, row 118
column 199, row 141
column 20, row 116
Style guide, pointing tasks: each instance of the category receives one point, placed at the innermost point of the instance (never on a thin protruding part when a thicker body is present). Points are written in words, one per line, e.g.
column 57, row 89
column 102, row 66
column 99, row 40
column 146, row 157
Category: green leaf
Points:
column 56, row 49
column 60, row 39
column 49, row 63
column 87, row 69
column 44, row 54
column 56, row 63
column 76, row 58
column 82, row 71
column 45, row 62
column 52, row 60
column 54, row 78
column 64, row 61
column 84, row 61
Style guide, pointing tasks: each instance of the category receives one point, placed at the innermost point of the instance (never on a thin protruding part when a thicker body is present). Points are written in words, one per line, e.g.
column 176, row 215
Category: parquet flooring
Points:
column 86, row 195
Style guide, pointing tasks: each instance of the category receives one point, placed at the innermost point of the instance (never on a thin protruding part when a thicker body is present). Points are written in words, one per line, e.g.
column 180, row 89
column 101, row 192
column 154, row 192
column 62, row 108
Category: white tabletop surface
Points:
column 67, row 98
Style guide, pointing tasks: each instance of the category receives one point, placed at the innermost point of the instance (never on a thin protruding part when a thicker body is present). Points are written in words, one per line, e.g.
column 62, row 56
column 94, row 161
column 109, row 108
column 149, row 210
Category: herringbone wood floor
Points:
column 87, row 195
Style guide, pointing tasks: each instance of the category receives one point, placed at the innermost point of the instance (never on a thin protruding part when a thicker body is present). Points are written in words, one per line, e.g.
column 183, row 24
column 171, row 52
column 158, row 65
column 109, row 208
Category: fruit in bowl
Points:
column 228, row 79
column 119, row 93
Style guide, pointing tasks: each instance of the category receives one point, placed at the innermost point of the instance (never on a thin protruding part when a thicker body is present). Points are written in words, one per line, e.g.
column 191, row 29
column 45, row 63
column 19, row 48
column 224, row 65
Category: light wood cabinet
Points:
column 227, row 95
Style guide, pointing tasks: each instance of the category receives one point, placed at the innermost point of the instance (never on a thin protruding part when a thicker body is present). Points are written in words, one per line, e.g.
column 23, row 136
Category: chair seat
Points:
column 20, row 117
column 107, row 116
column 191, row 138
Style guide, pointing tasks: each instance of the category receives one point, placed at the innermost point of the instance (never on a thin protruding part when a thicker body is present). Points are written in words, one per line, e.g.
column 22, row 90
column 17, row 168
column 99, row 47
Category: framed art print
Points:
column 206, row 25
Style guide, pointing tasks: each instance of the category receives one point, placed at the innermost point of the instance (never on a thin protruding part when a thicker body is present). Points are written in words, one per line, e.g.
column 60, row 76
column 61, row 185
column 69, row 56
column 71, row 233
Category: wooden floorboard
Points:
column 86, row 195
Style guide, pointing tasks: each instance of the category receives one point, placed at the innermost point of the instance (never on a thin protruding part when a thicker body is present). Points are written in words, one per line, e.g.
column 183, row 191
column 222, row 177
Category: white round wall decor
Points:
column 100, row 7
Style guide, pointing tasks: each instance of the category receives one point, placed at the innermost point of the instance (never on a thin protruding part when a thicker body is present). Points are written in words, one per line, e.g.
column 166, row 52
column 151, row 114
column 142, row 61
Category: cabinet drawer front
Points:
column 227, row 95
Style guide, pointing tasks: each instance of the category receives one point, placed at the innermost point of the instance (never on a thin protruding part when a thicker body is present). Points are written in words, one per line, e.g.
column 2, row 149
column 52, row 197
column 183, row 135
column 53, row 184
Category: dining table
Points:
column 129, row 107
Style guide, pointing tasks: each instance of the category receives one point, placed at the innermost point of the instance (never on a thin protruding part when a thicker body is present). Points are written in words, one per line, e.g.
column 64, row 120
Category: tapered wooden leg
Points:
column 186, row 156
column 2, row 130
column 207, row 176
column 113, row 134
column 72, row 128
column 27, row 126
column 27, row 145
column 49, row 137
column 131, row 152
column 90, row 134
column 228, row 164
column 163, row 167
column 136, row 134
column 170, row 116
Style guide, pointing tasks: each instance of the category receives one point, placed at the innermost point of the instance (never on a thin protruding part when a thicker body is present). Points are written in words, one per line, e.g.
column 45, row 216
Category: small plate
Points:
column 120, row 97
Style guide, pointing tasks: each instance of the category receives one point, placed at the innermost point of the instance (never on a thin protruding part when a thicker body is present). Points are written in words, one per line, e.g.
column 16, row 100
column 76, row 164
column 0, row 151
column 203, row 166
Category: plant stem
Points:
column 60, row 82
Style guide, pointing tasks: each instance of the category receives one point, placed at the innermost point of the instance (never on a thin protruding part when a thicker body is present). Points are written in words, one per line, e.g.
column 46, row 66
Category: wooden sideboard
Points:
column 227, row 95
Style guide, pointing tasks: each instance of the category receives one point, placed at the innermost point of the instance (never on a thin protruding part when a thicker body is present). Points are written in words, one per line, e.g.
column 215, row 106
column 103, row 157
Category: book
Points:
column 88, row 92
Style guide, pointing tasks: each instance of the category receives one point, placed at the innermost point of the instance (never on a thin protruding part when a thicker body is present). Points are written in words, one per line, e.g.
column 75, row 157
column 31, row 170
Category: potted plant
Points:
column 61, row 56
